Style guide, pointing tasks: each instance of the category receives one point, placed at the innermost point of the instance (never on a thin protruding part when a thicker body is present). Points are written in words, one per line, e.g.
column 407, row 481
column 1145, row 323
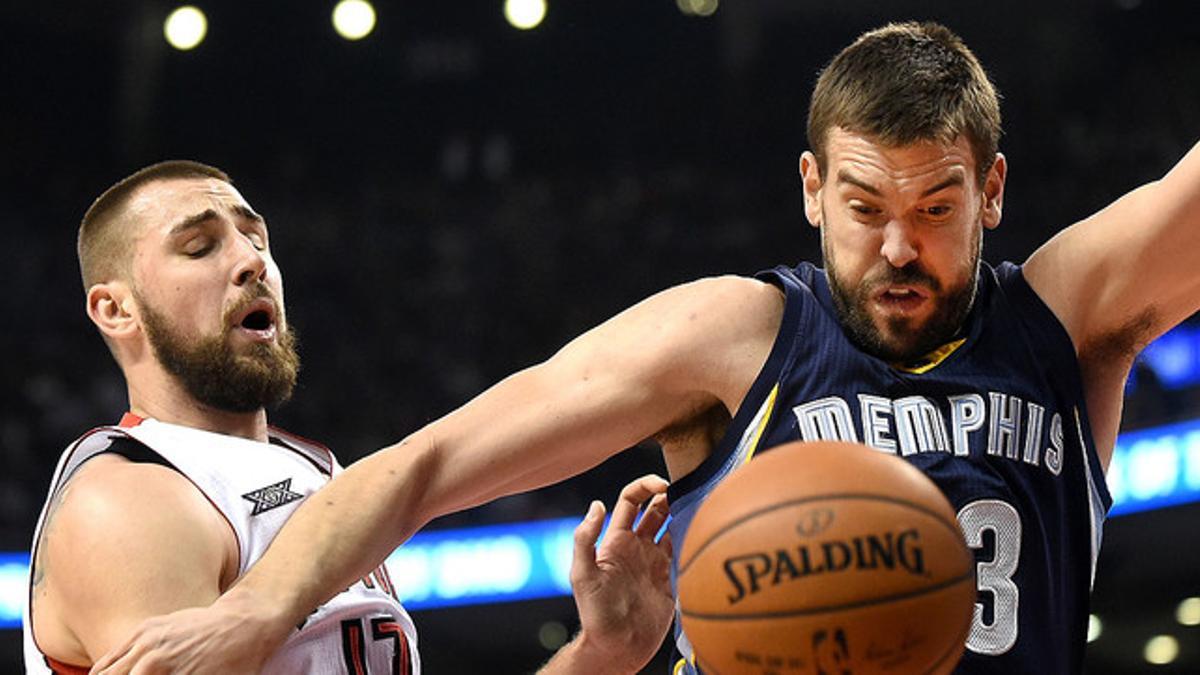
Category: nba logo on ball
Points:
column 826, row 558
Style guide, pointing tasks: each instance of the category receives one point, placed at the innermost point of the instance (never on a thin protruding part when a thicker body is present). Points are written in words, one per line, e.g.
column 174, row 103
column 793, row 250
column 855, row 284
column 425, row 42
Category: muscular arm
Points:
column 605, row 391
column 1121, row 278
column 124, row 542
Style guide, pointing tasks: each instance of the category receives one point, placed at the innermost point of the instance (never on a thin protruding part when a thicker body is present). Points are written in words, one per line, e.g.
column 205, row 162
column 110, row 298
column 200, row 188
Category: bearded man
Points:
column 170, row 507
column 1001, row 383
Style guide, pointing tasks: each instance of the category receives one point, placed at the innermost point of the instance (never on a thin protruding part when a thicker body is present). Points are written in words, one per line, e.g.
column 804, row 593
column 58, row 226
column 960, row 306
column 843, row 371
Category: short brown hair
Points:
column 904, row 83
column 103, row 246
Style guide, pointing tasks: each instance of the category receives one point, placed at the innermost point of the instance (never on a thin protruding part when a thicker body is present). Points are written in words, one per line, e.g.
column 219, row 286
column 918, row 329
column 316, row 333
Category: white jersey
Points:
column 256, row 487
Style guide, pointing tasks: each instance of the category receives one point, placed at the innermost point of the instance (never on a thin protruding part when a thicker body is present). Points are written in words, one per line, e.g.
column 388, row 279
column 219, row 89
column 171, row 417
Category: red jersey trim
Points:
column 61, row 668
column 316, row 453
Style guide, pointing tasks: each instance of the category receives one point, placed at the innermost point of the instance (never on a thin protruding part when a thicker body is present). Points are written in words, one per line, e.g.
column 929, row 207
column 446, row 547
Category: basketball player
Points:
column 170, row 507
column 1003, row 384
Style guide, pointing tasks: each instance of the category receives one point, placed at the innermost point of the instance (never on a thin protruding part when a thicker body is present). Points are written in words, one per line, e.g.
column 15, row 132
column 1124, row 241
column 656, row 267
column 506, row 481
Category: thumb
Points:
column 586, row 534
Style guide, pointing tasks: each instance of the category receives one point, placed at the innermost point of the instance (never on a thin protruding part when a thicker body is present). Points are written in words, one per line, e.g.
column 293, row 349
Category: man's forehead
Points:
column 162, row 202
column 860, row 153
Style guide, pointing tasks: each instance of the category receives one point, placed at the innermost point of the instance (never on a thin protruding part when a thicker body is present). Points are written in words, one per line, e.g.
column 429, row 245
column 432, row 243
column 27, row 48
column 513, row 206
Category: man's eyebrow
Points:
column 192, row 221
column 954, row 180
column 844, row 177
column 247, row 212
column 206, row 215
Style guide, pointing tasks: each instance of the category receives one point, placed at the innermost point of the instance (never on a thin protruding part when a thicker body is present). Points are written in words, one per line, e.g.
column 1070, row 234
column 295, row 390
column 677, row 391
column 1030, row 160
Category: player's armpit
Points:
column 1129, row 273
column 1121, row 278
column 127, row 541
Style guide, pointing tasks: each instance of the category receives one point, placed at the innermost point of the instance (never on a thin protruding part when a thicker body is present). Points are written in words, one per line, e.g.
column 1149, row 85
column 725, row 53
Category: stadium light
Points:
column 1161, row 650
column 354, row 19
column 1095, row 628
column 697, row 7
column 1188, row 612
column 552, row 635
column 185, row 28
column 525, row 14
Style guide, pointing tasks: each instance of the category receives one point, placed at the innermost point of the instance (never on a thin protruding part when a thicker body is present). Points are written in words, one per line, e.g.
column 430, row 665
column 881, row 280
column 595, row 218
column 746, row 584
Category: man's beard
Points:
column 903, row 341
column 217, row 377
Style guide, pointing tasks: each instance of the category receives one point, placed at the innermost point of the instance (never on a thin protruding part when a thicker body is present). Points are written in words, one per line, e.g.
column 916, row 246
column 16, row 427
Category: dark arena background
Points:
column 452, row 198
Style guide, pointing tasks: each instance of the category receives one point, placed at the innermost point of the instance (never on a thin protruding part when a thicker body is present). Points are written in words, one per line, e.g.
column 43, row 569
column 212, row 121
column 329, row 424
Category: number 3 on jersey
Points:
column 994, row 576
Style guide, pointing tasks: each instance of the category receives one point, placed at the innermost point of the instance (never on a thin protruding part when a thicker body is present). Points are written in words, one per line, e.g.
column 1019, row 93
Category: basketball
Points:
column 827, row 558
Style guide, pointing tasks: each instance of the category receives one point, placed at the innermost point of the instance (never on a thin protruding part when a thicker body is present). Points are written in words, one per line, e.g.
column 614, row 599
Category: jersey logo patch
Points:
column 272, row 496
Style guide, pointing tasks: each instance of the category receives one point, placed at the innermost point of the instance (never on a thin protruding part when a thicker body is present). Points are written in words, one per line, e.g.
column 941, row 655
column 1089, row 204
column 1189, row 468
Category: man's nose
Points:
column 251, row 265
column 898, row 247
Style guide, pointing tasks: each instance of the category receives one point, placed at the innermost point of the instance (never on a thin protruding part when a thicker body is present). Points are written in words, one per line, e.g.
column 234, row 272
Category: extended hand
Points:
column 623, row 589
column 219, row 639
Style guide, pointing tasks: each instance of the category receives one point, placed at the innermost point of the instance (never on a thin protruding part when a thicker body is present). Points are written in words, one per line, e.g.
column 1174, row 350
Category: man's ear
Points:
column 810, row 178
column 993, row 192
column 111, row 306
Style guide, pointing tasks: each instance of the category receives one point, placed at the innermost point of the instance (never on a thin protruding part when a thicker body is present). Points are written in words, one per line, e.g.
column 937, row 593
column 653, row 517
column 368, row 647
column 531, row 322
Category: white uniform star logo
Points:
column 272, row 496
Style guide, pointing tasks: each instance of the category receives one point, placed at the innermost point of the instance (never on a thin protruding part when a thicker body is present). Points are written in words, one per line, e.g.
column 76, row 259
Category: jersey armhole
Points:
column 137, row 452
column 760, row 391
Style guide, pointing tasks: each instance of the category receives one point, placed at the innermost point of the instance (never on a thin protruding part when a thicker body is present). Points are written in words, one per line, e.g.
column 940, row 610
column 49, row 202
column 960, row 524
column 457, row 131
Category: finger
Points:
column 111, row 667
column 666, row 546
column 653, row 517
column 631, row 498
column 111, row 656
column 149, row 667
column 114, row 661
column 586, row 534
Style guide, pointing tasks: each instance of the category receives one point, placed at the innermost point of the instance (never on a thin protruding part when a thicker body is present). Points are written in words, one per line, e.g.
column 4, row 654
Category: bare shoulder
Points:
column 703, row 318
column 728, row 287
column 1120, row 278
column 691, row 344
column 728, row 304
column 123, row 541
column 1127, row 274
column 751, row 295
column 720, row 331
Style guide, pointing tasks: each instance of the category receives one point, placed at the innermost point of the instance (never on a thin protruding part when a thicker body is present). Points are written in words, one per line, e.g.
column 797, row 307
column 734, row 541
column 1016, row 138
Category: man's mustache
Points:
column 259, row 290
column 911, row 274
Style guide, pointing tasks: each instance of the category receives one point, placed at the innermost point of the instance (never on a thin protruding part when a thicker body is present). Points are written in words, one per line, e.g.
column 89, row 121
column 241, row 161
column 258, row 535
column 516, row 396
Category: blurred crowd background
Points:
column 452, row 199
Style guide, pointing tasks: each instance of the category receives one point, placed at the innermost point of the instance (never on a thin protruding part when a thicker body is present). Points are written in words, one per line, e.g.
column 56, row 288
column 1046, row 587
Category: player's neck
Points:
column 159, row 396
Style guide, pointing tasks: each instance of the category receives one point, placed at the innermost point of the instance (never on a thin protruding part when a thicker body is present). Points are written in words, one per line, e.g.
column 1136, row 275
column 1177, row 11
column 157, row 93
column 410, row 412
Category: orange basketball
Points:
column 826, row 558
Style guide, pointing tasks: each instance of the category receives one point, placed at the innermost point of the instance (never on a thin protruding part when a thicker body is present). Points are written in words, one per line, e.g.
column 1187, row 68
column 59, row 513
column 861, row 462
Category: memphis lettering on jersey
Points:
column 1004, row 425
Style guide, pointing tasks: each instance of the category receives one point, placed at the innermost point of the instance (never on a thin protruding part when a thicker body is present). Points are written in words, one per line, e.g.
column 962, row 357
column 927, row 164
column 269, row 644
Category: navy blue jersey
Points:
column 996, row 418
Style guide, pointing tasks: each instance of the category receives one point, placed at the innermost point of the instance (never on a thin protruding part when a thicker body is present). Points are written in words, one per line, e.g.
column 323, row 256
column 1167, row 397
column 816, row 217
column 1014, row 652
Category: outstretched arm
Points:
column 1122, row 277
column 683, row 350
column 622, row 591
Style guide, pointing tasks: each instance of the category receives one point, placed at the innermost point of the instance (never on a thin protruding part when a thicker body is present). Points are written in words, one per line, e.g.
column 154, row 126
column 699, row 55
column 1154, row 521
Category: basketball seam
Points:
column 969, row 576
column 838, row 496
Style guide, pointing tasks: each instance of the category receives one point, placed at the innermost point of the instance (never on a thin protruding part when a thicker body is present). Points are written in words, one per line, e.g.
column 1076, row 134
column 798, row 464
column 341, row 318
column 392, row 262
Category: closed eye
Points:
column 197, row 248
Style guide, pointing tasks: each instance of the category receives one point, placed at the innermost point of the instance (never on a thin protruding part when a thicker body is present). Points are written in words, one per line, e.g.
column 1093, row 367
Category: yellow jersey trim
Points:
column 931, row 360
column 769, row 406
